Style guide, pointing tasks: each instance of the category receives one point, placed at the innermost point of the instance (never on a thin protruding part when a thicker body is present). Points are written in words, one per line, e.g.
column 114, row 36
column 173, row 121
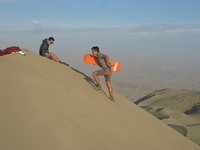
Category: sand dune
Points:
column 45, row 105
column 179, row 109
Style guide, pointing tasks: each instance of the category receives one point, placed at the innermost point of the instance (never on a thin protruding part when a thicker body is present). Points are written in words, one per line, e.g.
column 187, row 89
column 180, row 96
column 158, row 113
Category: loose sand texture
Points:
column 45, row 105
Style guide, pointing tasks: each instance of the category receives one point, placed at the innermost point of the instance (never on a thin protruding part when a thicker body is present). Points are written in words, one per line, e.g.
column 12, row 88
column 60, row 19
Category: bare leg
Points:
column 110, row 90
column 53, row 56
column 96, row 78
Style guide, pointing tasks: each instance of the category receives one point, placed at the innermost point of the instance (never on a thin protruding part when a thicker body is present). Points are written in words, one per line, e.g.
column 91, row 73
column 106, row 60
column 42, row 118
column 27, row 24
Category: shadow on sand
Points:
column 88, row 79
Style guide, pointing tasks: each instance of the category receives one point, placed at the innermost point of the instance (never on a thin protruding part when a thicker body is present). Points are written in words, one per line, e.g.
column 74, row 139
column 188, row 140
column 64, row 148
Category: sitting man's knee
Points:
column 51, row 54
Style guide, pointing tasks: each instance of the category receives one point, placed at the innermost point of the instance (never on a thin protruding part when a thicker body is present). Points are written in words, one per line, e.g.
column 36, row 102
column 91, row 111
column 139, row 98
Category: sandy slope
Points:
column 178, row 109
column 48, row 106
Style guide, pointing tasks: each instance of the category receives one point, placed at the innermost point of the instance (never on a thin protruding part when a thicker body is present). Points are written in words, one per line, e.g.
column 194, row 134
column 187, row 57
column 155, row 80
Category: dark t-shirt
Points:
column 44, row 48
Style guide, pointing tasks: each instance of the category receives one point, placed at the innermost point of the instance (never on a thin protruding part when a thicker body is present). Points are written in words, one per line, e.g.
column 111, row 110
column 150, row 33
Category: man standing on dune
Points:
column 105, row 71
column 44, row 50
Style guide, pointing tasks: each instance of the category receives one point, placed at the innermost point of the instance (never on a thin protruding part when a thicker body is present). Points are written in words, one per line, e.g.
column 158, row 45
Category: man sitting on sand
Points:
column 44, row 50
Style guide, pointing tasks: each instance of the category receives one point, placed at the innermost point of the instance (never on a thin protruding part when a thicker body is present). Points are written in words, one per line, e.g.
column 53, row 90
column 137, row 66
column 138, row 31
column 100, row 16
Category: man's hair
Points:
column 51, row 38
column 95, row 48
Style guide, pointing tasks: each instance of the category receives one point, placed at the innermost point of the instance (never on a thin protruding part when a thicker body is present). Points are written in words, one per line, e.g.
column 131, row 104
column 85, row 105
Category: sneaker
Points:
column 98, row 87
column 111, row 98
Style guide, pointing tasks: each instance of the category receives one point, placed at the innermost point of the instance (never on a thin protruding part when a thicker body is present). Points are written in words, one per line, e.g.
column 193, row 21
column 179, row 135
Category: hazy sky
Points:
column 163, row 31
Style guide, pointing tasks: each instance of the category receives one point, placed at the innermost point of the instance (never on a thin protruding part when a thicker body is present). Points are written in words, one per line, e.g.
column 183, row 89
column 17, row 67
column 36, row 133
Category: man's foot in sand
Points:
column 64, row 63
column 111, row 98
column 97, row 87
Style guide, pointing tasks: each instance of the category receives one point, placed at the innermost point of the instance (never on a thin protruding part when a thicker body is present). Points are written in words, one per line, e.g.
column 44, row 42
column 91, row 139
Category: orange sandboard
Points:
column 91, row 59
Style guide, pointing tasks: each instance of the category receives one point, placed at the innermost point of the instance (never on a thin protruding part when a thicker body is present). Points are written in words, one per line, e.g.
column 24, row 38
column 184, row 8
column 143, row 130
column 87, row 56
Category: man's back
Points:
column 44, row 48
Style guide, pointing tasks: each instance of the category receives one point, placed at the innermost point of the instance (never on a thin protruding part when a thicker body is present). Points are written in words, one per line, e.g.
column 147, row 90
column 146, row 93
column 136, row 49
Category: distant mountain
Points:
column 137, row 79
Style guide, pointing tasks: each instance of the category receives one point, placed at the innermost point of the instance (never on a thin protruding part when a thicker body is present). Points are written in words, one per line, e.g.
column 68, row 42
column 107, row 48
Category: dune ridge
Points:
column 47, row 105
column 179, row 109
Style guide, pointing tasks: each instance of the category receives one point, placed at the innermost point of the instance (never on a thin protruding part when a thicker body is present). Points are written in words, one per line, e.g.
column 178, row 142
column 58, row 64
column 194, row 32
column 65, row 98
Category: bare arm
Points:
column 107, row 59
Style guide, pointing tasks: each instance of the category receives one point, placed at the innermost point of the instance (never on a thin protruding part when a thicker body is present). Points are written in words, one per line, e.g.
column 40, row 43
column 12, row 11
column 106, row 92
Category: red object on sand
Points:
column 9, row 50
